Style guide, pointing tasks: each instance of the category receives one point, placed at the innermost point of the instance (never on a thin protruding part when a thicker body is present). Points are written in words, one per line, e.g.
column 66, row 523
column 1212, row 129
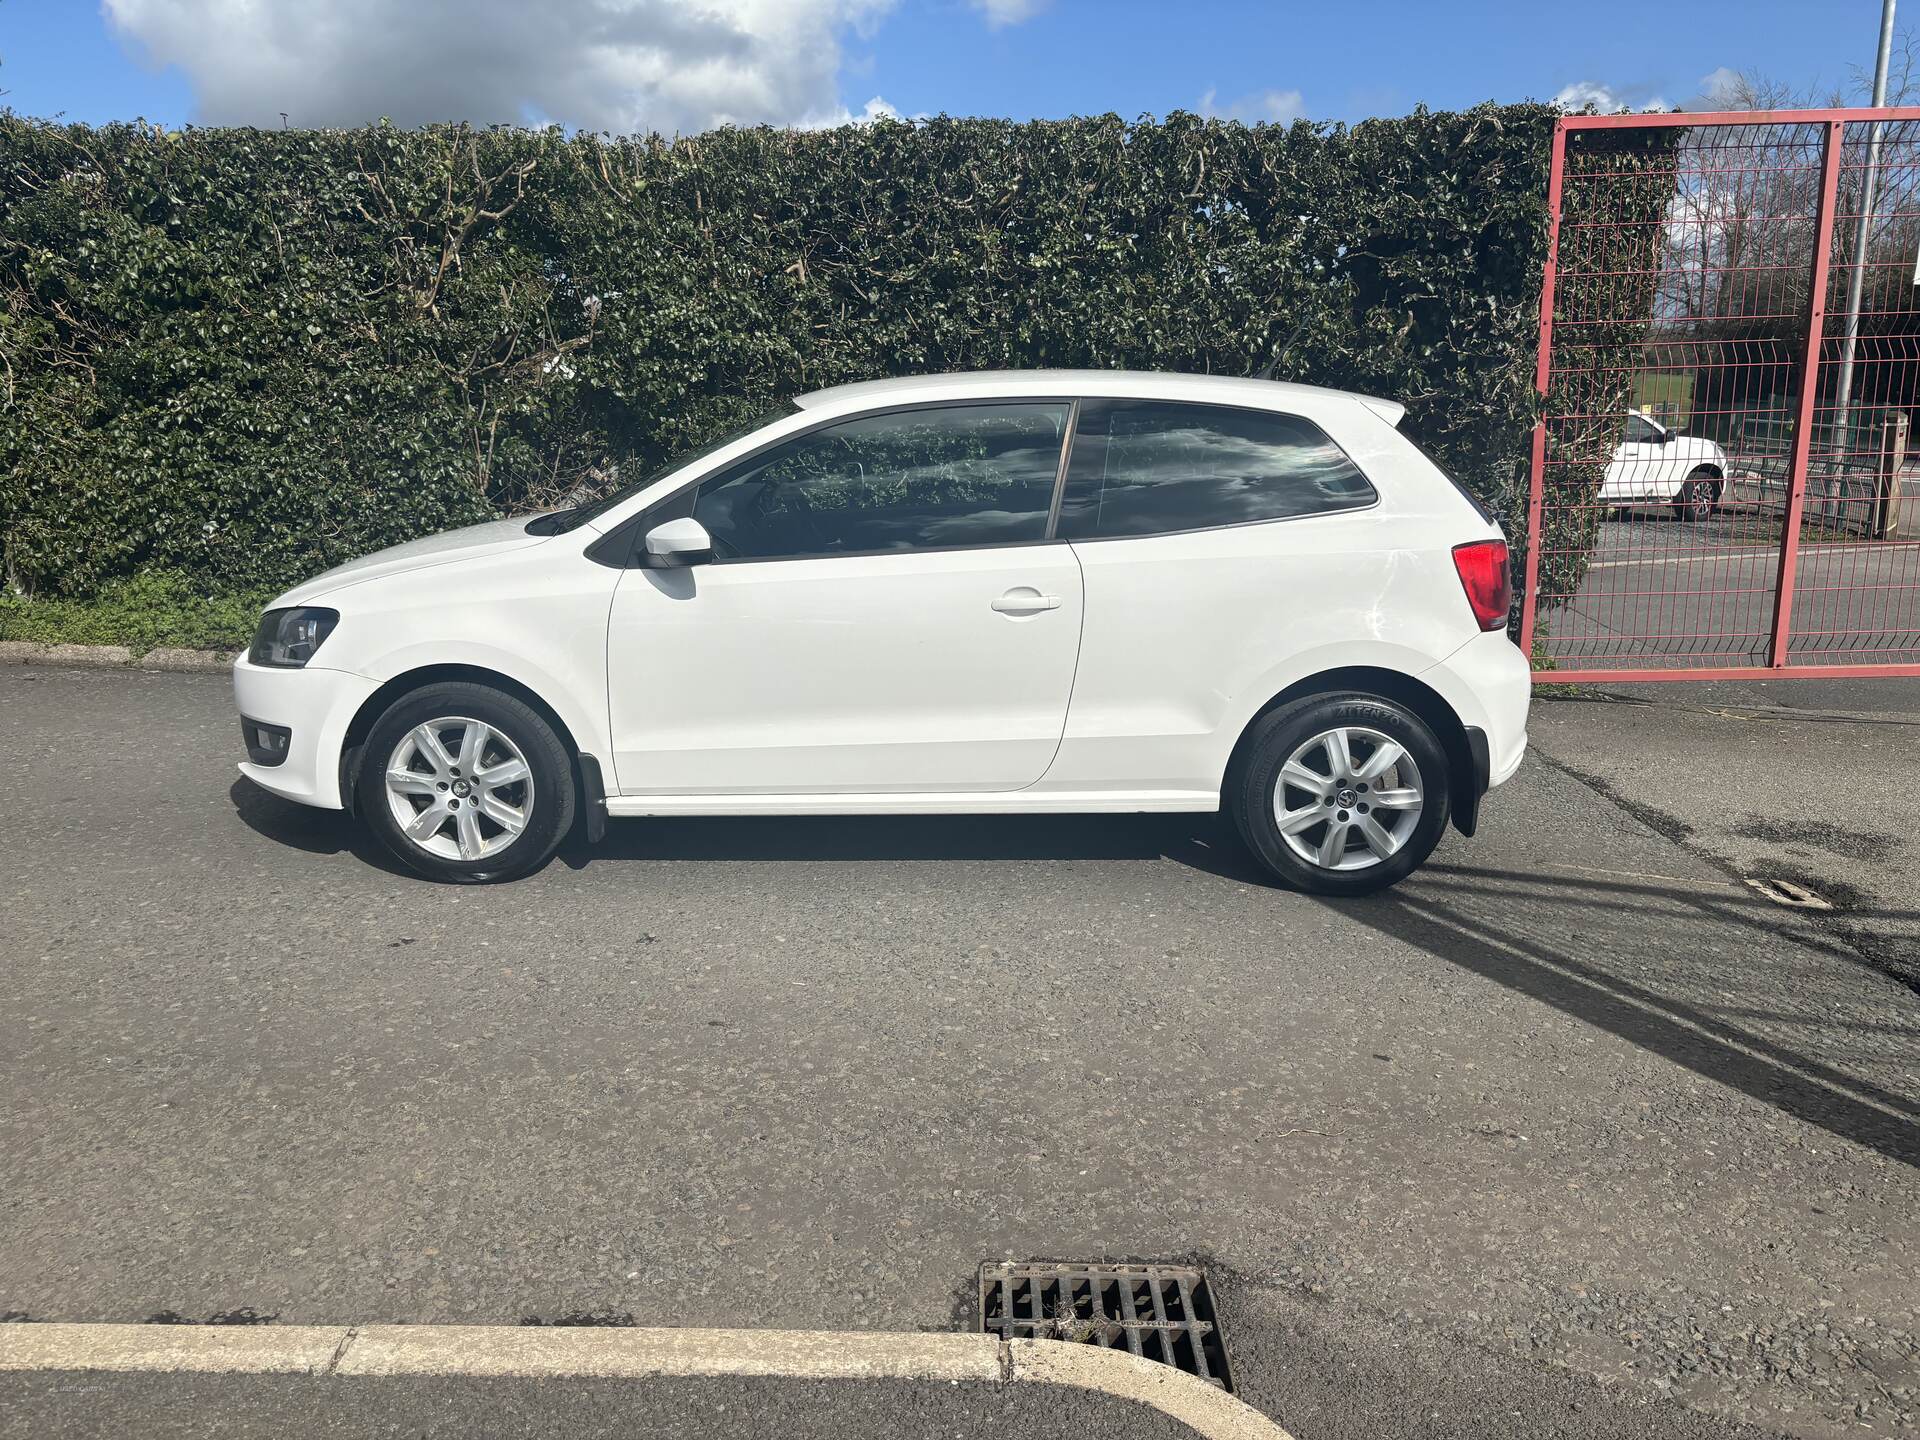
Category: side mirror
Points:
column 675, row 543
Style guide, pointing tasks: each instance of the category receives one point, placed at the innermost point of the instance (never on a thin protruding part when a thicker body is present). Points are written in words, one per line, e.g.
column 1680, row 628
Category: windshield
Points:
column 559, row 522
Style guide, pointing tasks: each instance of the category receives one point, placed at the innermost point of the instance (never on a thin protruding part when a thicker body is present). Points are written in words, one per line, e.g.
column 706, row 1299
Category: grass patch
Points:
column 144, row 613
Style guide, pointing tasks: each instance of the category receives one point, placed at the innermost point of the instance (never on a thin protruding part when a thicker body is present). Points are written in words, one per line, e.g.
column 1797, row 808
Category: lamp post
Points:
column 1850, row 336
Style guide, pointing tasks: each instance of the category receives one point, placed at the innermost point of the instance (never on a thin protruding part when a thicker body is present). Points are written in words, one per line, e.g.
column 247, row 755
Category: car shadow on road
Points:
column 1204, row 841
column 1188, row 838
column 302, row 827
column 1541, row 937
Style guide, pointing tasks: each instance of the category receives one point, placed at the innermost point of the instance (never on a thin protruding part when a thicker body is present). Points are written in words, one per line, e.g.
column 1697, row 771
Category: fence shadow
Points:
column 1451, row 913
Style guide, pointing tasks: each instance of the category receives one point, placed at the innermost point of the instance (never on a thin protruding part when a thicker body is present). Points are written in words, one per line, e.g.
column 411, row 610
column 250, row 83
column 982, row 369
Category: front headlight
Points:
column 288, row 638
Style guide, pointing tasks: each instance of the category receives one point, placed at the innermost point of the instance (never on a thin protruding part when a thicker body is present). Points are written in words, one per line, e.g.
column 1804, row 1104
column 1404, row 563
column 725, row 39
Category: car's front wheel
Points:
column 1341, row 794
column 1697, row 497
column 466, row 783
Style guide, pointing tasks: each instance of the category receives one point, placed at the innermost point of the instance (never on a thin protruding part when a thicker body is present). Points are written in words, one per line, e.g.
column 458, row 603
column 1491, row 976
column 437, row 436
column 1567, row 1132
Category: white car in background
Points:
column 1658, row 464
column 1025, row 592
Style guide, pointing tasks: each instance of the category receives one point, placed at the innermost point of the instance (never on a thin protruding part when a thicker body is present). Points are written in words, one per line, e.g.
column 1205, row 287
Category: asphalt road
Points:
column 1571, row 1134
column 1662, row 592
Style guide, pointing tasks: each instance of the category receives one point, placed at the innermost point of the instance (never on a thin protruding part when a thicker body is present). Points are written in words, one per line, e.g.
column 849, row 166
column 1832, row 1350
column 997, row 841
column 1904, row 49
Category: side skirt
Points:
column 1015, row 802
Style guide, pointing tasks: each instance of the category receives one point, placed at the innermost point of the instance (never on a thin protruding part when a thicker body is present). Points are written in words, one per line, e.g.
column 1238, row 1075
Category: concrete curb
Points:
column 166, row 657
column 629, row 1353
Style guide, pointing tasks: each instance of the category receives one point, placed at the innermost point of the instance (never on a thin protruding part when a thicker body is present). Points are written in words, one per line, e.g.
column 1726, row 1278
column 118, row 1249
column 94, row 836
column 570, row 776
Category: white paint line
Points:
column 556, row 1350
column 1741, row 554
column 548, row 1352
column 1201, row 1407
column 218, row 1349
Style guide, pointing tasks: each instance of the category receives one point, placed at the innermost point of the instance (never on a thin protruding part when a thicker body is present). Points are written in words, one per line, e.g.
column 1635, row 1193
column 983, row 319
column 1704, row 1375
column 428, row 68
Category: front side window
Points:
column 1642, row 431
column 959, row 475
column 1155, row 467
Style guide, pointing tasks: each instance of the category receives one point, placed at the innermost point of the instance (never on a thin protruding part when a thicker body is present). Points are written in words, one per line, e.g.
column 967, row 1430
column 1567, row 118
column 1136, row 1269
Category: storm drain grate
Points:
column 1159, row 1312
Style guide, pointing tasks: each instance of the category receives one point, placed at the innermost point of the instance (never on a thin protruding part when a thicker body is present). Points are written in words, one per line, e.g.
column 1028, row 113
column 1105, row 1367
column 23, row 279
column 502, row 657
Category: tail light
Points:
column 1482, row 566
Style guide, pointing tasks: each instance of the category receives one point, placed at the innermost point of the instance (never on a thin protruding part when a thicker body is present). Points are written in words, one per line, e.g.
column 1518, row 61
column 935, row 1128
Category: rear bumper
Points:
column 314, row 707
column 1490, row 688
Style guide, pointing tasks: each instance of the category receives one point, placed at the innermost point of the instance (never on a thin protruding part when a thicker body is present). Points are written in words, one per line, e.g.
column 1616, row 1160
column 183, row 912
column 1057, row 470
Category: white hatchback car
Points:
column 1023, row 592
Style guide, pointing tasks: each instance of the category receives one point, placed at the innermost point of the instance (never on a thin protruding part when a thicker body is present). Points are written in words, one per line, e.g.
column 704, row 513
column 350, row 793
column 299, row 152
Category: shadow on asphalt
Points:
column 1202, row 841
column 1497, row 924
column 318, row 832
column 1450, row 910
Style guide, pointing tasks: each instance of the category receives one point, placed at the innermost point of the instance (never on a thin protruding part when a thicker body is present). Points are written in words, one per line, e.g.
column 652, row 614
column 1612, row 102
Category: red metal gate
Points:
column 1729, row 360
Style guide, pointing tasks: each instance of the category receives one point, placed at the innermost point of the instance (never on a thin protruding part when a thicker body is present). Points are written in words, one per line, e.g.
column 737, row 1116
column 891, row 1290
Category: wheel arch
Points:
column 352, row 748
column 1423, row 700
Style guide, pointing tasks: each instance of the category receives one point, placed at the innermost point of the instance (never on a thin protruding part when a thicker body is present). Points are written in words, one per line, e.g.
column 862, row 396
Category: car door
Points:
column 1217, row 542
column 1639, row 465
column 884, row 613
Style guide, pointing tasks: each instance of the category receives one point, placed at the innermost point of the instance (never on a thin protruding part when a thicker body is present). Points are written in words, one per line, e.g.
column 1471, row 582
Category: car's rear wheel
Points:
column 466, row 783
column 1341, row 794
column 1698, row 496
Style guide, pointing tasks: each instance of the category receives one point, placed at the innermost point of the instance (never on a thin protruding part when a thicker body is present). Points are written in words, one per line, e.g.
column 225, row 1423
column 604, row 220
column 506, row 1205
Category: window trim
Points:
column 1373, row 490
column 661, row 508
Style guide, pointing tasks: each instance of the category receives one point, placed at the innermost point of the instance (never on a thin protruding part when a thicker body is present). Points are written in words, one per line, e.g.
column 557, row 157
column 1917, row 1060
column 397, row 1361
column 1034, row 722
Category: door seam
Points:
column 1073, row 682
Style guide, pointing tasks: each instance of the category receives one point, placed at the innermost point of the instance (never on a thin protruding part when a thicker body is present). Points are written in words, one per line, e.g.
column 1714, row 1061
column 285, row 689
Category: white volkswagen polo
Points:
column 1024, row 592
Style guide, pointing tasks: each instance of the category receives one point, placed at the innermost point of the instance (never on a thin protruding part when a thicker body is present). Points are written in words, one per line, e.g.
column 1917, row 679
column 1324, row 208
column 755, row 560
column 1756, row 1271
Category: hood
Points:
column 491, row 538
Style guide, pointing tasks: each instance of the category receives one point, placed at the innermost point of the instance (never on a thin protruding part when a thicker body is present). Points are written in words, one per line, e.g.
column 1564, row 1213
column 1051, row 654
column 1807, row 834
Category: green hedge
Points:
column 241, row 355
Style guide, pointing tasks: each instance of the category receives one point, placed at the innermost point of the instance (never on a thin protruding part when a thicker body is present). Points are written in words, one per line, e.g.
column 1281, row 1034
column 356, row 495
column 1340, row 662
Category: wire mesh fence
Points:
column 1723, row 479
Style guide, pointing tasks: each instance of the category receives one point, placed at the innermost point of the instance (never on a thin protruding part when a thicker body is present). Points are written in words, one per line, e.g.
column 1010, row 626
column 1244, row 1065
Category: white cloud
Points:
column 1722, row 86
column 1283, row 106
column 878, row 108
column 1001, row 13
column 1606, row 98
column 619, row 65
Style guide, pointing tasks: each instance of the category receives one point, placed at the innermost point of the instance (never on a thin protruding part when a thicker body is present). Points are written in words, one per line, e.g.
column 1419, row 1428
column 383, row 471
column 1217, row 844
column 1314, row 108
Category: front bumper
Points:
column 315, row 706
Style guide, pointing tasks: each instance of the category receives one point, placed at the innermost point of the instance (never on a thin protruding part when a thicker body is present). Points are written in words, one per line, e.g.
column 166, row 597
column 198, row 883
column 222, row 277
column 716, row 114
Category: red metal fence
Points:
column 1724, row 484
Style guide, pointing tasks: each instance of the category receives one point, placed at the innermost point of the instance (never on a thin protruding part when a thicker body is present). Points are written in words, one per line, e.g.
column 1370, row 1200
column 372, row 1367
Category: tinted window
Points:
column 1146, row 468
column 917, row 479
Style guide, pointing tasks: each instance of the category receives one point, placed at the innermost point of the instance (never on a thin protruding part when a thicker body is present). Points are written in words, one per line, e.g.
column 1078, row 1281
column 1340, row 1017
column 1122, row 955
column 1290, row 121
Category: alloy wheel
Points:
column 1348, row 798
column 458, row 788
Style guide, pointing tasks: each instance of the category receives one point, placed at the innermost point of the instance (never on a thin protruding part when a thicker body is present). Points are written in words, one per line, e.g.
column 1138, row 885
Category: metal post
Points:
column 1809, row 393
column 1843, row 402
column 1542, row 377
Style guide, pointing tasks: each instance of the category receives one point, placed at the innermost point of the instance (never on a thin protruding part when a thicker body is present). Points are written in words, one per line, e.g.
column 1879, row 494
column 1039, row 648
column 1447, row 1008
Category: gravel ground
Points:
column 1574, row 1118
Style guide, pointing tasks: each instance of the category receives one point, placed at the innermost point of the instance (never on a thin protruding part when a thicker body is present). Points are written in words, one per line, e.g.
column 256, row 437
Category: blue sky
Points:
column 175, row 61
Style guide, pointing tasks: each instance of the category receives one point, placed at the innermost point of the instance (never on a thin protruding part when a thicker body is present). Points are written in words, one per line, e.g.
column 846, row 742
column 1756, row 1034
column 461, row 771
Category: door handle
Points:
column 1025, row 601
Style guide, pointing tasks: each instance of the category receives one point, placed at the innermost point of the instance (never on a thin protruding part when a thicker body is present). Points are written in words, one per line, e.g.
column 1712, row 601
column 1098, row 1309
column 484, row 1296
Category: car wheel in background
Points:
column 1697, row 497
column 1341, row 794
column 466, row 784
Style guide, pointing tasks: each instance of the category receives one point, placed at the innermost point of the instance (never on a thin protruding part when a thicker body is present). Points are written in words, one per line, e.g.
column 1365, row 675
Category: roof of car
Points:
column 1146, row 384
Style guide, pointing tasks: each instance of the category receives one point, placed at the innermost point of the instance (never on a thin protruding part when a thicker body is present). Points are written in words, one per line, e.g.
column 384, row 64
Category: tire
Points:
column 1298, row 732
column 1697, row 497
column 476, row 844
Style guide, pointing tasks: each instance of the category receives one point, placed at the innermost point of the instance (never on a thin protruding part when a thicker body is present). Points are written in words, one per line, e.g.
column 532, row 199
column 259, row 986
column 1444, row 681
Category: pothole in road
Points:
column 617, row 1319
column 245, row 1315
column 1790, row 893
column 1162, row 1313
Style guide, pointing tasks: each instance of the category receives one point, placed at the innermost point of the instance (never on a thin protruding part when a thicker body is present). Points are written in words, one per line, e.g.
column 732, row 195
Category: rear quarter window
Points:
column 1144, row 467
